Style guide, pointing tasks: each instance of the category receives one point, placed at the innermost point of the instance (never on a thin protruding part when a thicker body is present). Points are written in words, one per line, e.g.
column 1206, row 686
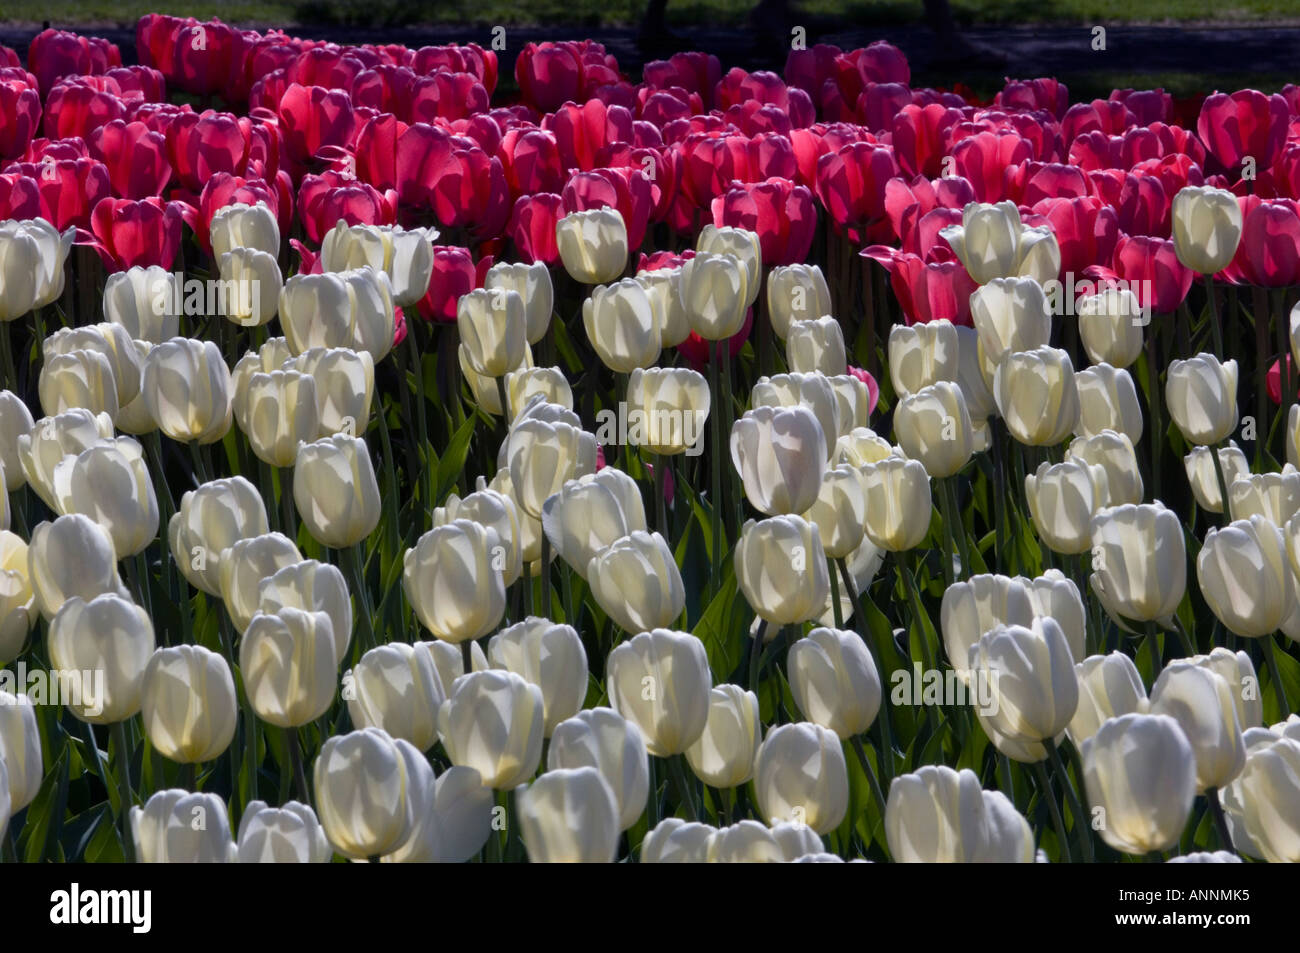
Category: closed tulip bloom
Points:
column 817, row 347
column 110, row 483
column 1107, row 401
column 723, row 756
column 281, row 835
column 111, row 340
column 72, row 556
column 210, row 519
column 1010, row 314
column 660, row 681
column 15, row 421
column 603, row 739
column 739, row 243
column 1207, row 228
column 20, row 750
column 635, row 580
column 933, row 426
column 280, row 413
column 992, row 243
column 240, row 225
column 1205, row 482
column 542, row 456
column 1269, row 786
column 405, row 255
column 108, row 634
column 1140, row 770
column 1110, row 326
column 569, row 815
column 134, row 418
column 898, row 503
column 971, row 608
column 366, row 794
column 812, row 390
column 243, row 566
column 861, row 446
column 492, row 722
column 339, row 309
column 493, row 330
column 533, row 283
column 675, row 841
column 1054, row 594
column 550, row 656
column 251, row 285
column 1201, row 701
column 144, row 301
column 288, row 664
column 714, row 289
column 1063, row 498
column 1114, row 453
column 780, row 454
column 1202, row 397
column 530, row 528
column 452, row 580
column 335, row 491
column 799, row 840
column 20, row 270
column 673, row 404
column 397, row 687
column 800, row 775
column 455, row 825
column 187, row 703
column 186, row 387
column 497, row 512
column 1238, row 671
column 592, row 245
column 484, row 390
column 450, row 660
column 621, row 326
column 17, row 603
column 840, row 511
column 1245, row 576
column 1274, row 496
column 177, row 827
column 313, row 587
column 1030, row 672
column 664, row 288
column 940, row 816
column 834, row 681
column 345, row 386
column 81, row 378
column 1139, row 562
column 855, row 402
column 745, row 842
column 549, row 382
column 1206, row 857
column 922, row 354
column 1037, row 396
column 781, row 569
column 1109, row 686
column 273, row 355
column 796, row 293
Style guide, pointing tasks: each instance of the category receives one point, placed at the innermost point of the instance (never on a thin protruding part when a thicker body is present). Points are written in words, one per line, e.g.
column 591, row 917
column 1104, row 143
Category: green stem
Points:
column 352, row 564
column 1223, row 484
column 756, row 655
column 504, row 397
column 715, row 467
column 860, row 626
column 1220, row 822
column 1214, row 317
column 288, row 513
column 467, row 655
column 545, row 576
column 836, row 609
column 295, row 758
column 1284, row 707
column 949, row 544
column 1184, row 639
column 124, row 796
column 683, row 788
column 7, row 356
column 1153, row 405
column 1045, row 792
column 870, row 772
column 1072, row 797
column 660, row 486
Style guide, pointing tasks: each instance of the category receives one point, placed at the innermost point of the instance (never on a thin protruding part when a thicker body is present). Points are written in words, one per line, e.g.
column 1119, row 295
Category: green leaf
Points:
column 452, row 463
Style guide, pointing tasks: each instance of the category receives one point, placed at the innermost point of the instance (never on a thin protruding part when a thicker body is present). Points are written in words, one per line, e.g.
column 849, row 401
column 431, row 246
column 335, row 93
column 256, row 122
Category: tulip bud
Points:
column 345, row 385
column 15, row 421
column 335, row 491
column 243, row 566
column 855, row 402
column 339, row 309
column 273, row 355
column 1245, row 577
column 1107, row 401
column 288, row 664
column 1037, row 396
column 675, row 841
column 781, row 570
column 452, row 578
column 603, row 739
column 396, row 687
column 933, row 426
column 938, row 815
column 550, row 656
column 589, row 514
column 450, row 660
column 745, row 842
column 664, row 288
column 834, row 681
column 1139, row 562
column 455, row 824
column 404, row 255
column 533, row 283
column 723, row 756
column 569, row 815
column 81, row 378
column 817, row 347
column 1202, row 397
column 492, row 722
column 1201, row 701
column 780, row 454
column 1205, row 482
column 110, row 484
column 741, row 244
column 211, row 519
column 1035, row 692
column 108, row 634
column 898, row 503
column 240, row 225
column 1053, row 594
column 543, row 455
column 145, row 302
column 368, row 787
column 175, row 826
column 1114, row 453
column 1109, row 686
column 1274, row 496
column 497, row 512
column 860, row 447
column 840, row 511
column 971, row 608
column 186, row 387
column 811, row 390
column 1110, row 326
column 660, row 681
column 72, row 556
column 992, row 243
column 1268, row 801
column 548, row 382
column 592, row 245
column 1010, row 314
column 714, row 289
column 621, row 326
column 635, row 580
column 1238, row 671
column 20, row 751
column 281, row 835
column 110, row 340
column 673, row 404
column 251, row 286
column 187, row 703
column 922, row 354
column 17, row 612
column 796, row 293
column 800, row 776
column 281, row 413
column 32, row 256
column 1063, row 498
column 1207, row 228
column 493, row 330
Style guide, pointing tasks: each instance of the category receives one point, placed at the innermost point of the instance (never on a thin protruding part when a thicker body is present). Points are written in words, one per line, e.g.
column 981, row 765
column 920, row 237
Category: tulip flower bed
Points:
column 718, row 467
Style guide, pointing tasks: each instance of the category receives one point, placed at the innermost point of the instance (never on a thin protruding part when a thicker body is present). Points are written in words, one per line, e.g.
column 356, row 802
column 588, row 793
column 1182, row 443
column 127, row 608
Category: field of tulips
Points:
column 699, row 466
